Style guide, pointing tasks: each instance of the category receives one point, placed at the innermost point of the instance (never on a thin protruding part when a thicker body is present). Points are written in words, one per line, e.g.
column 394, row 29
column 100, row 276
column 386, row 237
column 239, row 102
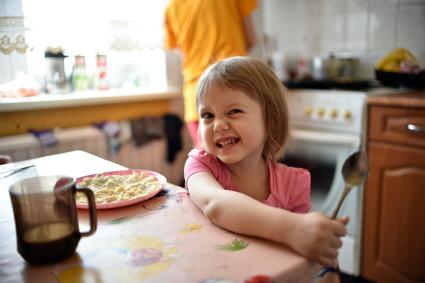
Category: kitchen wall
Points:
column 365, row 28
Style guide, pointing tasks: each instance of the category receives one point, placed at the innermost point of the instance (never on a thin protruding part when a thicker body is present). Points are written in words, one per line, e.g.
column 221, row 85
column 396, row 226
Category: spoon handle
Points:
column 341, row 199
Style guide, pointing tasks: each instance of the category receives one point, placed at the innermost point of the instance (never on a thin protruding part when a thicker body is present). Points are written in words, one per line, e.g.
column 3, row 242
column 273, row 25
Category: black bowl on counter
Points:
column 396, row 79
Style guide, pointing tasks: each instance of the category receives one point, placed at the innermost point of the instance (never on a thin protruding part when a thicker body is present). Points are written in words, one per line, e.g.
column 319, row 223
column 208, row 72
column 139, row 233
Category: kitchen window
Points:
column 129, row 32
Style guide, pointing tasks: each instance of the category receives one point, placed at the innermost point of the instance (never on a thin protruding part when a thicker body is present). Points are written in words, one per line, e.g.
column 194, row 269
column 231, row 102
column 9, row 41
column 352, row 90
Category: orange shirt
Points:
column 206, row 31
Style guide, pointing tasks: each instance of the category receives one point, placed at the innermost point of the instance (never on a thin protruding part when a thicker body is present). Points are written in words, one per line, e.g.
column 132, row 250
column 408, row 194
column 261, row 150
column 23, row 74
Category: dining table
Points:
column 163, row 239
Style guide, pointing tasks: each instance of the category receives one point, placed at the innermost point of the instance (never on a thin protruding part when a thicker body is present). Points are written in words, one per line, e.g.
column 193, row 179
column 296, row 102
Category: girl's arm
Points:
column 312, row 235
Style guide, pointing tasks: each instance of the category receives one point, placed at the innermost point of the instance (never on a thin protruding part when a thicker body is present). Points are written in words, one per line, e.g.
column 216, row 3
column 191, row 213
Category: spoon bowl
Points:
column 354, row 171
column 355, row 168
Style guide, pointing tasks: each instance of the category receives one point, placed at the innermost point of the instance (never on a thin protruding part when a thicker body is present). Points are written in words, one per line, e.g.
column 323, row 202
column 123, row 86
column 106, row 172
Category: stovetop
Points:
column 361, row 85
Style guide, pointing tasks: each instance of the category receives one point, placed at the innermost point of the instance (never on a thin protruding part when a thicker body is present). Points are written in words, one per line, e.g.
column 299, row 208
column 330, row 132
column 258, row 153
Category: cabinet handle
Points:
column 416, row 129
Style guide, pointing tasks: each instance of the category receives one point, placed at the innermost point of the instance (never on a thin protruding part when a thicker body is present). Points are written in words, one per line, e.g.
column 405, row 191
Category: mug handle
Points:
column 92, row 210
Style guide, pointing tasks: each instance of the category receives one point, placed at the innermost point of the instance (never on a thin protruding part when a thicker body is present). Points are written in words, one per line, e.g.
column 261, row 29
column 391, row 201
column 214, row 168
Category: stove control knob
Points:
column 334, row 113
column 321, row 112
column 348, row 115
column 308, row 111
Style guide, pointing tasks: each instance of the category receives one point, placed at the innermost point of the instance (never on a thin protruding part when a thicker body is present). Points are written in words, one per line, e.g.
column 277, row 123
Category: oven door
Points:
column 323, row 154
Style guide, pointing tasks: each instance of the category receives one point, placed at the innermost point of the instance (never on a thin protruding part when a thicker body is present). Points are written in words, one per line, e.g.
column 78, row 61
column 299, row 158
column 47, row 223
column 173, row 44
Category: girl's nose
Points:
column 221, row 124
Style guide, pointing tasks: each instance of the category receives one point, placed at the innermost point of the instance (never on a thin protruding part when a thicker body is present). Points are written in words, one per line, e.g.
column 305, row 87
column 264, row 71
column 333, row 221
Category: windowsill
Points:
column 92, row 97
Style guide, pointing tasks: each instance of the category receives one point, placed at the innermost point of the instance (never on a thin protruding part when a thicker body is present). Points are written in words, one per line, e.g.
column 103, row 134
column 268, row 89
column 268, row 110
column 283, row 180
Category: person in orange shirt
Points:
column 206, row 31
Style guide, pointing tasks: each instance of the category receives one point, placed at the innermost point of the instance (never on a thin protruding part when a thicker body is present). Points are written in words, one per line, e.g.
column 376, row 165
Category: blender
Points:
column 56, row 81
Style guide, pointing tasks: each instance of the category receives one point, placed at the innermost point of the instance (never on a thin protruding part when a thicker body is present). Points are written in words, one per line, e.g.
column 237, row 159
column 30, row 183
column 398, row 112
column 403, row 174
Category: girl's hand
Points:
column 317, row 237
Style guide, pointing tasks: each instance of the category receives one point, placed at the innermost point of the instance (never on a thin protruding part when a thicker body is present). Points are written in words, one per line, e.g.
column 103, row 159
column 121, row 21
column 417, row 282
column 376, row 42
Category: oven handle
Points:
column 325, row 138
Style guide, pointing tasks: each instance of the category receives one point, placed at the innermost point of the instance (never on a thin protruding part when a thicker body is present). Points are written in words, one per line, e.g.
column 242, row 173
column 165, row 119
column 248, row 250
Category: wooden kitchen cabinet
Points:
column 393, row 248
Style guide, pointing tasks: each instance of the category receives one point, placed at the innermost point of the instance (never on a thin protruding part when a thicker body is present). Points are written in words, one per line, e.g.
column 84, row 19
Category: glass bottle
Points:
column 80, row 79
column 101, row 78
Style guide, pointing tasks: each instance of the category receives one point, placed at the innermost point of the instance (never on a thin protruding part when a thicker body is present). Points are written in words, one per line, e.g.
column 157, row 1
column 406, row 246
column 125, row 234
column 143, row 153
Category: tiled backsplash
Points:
column 367, row 29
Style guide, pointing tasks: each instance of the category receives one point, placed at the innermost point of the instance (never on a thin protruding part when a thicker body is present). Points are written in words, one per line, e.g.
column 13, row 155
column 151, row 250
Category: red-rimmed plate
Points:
column 121, row 203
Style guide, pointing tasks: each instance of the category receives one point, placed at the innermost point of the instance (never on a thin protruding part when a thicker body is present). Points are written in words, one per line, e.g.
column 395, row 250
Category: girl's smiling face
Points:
column 231, row 125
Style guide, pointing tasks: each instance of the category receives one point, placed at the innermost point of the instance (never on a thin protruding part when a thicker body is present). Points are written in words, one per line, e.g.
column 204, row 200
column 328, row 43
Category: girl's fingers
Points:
column 335, row 242
column 326, row 261
column 344, row 220
column 330, row 253
column 338, row 229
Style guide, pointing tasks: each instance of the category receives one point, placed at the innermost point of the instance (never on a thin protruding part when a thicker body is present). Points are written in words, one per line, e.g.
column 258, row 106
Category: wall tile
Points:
column 290, row 7
column 289, row 37
column 356, row 30
column 328, row 6
column 382, row 28
column 270, row 10
column 356, row 5
column 332, row 32
column 411, row 26
column 411, row 2
column 382, row 3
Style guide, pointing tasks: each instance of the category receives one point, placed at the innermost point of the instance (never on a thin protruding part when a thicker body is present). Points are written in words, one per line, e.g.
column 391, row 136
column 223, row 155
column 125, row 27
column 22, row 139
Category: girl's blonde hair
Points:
column 260, row 83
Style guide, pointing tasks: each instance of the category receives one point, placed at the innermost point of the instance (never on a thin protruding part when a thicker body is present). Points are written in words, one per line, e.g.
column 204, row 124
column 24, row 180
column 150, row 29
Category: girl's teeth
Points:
column 230, row 141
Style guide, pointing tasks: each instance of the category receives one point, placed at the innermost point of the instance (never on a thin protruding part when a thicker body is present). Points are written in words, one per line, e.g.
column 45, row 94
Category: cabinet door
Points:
column 394, row 215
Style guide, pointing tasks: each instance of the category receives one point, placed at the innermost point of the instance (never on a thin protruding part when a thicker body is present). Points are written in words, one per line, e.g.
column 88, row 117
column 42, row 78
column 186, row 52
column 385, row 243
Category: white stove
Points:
column 327, row 126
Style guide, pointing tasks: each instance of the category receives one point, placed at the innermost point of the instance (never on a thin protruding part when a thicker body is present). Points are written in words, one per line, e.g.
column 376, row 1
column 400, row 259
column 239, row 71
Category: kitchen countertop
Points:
column 412, row 99
column 47, row 111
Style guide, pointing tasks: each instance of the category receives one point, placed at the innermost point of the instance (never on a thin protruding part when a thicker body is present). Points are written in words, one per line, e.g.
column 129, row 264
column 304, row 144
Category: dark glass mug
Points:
column 46, row 218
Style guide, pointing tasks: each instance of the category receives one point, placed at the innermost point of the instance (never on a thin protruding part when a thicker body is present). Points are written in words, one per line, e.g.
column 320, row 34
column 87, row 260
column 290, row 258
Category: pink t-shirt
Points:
column 289, row 186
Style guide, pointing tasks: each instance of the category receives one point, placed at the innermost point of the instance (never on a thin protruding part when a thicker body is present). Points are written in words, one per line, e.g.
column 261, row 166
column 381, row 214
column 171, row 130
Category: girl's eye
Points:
column 206, row 115
column 234, row 111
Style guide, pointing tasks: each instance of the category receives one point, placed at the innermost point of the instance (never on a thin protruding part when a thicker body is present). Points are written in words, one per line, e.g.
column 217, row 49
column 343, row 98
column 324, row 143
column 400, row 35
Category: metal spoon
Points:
column 14, row 170
column 354, row 170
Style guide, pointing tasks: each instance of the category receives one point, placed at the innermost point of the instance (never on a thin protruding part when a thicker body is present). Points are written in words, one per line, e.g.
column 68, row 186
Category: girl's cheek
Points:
column 202, row 134
column 207, row 137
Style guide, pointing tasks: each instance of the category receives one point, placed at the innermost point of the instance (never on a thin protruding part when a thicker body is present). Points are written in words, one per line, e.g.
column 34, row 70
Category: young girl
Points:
column 234, row 177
